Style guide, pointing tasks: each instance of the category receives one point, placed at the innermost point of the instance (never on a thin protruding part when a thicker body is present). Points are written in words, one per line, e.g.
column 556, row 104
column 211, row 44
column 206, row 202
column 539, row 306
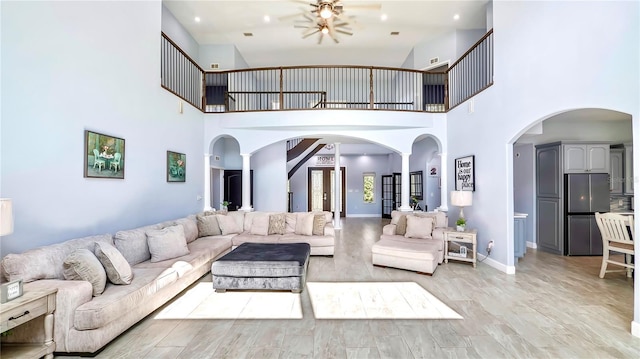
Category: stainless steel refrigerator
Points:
column 585, row 194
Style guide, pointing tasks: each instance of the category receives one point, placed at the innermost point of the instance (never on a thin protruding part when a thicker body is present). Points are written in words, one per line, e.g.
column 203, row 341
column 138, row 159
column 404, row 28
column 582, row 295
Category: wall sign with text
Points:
column 325, row 160
column 465, row 173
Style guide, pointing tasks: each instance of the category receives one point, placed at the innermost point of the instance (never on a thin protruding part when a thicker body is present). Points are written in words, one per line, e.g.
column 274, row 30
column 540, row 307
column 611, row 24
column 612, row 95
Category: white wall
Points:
column 224, row 55
column 443, row 47
column 178, row 34
column 67, row 68
column 269, row 167
column 535, row 78
column 467, row 38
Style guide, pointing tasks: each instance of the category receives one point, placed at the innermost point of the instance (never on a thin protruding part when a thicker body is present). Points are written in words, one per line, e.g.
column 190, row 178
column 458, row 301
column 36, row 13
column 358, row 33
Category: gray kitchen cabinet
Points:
column 617, row 162
column 549, row 192
column 581, row 158
column 519, row 237
column 550, row 225
column 549, row 171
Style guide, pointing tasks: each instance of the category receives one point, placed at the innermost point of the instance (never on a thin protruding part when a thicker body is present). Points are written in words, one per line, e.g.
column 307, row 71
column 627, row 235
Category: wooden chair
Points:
column 617, row 236
column 97, row 161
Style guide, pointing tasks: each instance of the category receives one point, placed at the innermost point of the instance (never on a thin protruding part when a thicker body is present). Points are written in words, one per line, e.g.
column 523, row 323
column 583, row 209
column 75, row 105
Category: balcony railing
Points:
column 327, row 87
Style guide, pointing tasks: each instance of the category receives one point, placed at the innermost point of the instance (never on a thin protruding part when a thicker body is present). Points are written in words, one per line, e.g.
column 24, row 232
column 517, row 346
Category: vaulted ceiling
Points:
column 277, row 43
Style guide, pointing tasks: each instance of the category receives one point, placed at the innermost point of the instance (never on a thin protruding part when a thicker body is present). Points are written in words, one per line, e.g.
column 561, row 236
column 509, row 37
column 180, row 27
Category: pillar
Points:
column 246, row 182
column 405, row 188
column 337, row 194
column 207, row 182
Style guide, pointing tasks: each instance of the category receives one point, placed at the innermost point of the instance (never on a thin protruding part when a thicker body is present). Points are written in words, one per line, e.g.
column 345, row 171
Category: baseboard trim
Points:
column 533, row 245
column 379, row 215
column 495, row 264
column 635, row 329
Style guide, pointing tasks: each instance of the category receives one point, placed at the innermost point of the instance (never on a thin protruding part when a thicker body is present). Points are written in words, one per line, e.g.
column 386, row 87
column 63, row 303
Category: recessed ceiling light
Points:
column 197, row 19
column 267, row 18
column 394, row 33
column 247, row 34
column 456, row 17
column 383, row 17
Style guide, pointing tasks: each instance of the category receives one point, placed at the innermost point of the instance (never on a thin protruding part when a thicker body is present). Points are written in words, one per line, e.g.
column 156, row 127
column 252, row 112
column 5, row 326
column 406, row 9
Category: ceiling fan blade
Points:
column 320, row 38
column 365, row 6
column 303, row 12
column 344, row 32
column 311, row 33
column 335, row 39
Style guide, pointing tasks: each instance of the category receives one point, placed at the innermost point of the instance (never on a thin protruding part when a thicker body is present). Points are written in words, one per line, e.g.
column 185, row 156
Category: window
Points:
column 368, row 187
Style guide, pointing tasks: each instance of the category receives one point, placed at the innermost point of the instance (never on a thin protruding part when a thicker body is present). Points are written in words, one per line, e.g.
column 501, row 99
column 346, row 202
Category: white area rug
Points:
column 202, row 302
column 376, row 300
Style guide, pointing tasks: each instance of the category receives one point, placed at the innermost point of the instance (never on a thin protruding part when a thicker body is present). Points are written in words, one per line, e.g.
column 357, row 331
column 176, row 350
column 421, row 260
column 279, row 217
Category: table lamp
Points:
column 461, row 199
column 6, row 216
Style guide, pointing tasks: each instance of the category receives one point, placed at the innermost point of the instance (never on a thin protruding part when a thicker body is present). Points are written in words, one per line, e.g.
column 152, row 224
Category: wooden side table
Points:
column 31, row 305
column 467, row 237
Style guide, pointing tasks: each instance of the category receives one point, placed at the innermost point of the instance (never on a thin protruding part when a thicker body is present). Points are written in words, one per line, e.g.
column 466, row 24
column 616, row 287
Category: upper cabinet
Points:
column 586, row 158
column 617, row 171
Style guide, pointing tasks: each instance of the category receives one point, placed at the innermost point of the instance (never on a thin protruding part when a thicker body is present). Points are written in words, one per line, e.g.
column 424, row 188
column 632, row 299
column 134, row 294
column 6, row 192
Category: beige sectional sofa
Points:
column 152, row 264
column 412, row 241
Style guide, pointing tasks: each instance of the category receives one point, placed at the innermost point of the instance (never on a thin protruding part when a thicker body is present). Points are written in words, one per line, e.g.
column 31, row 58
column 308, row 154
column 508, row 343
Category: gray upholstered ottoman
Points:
column 266, row 266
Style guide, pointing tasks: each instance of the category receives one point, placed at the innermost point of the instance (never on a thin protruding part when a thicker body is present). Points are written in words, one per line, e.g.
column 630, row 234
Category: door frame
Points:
column 343, row 170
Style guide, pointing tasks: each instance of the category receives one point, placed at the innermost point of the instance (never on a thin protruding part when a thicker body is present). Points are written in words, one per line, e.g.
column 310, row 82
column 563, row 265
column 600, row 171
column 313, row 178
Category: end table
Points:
column 451, row 235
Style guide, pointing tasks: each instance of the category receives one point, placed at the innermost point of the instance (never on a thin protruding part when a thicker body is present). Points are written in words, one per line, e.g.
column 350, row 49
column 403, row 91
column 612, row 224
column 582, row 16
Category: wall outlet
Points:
column 489, row 247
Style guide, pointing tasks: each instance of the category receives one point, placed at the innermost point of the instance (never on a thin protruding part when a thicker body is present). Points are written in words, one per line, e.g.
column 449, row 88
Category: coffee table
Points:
column 262, row 266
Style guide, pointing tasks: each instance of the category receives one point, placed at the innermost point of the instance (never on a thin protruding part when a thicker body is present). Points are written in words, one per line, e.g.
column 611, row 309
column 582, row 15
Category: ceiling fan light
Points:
column 324, row 30
column 326, row 12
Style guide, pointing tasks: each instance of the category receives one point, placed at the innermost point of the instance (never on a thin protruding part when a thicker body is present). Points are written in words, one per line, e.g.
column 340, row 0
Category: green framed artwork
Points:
column 176, row 167
column 103, row 156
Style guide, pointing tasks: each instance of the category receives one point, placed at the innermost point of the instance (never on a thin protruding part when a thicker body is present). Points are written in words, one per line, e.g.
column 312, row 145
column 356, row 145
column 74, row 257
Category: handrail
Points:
column 327, row 86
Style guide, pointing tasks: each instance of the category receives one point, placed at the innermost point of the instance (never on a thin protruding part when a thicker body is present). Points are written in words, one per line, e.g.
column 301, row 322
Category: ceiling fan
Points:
column 327, row 18
column 324, row 27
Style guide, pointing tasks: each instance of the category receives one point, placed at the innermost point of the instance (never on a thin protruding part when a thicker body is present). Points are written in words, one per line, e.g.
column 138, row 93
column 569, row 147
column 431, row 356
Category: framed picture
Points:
column 176, row 166
column 434, row 170
column 465, row 173
column 103, row 156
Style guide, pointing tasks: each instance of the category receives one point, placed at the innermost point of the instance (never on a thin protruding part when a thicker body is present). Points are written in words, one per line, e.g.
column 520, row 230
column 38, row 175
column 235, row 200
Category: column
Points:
column 405, row 188
column 337, row 195
column 207, row 182
column 444, row 193
column 246, row 182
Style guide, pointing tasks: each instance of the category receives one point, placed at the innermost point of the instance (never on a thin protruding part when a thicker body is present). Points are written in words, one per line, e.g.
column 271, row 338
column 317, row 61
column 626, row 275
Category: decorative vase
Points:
column 460, row 228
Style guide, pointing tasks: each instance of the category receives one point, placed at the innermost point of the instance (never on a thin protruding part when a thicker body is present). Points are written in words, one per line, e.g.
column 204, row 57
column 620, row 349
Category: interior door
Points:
column 321, row 188
column 233, row 188
column 387, row 196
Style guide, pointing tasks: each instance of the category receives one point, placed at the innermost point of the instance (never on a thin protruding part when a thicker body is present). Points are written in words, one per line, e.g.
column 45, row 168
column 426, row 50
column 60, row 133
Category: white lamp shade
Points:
column 461, row 198
column 6, row 216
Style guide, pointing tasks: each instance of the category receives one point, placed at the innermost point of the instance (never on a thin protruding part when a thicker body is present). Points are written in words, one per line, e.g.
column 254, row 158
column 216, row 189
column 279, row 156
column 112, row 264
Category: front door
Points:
column 321, row 187
column 391, row 194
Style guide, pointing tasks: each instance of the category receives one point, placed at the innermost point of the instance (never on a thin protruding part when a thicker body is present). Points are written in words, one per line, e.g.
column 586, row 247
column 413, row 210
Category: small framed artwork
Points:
column 176, row 167
column 434, row 170
column 103, row 156
column 465, row 173
column 10, row 291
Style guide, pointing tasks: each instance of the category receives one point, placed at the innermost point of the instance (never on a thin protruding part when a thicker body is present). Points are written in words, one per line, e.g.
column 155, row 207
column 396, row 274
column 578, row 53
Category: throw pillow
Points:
column 319, row 222
column 167, row 243
column 401, row 225
column 419, row 227
column 190, row 225
column 290, row 222
column 208, row 226
column 260, row 224
column 277, row 223
column 304, row 224
column 228, row 225
column 117, row 267
column 82, row 264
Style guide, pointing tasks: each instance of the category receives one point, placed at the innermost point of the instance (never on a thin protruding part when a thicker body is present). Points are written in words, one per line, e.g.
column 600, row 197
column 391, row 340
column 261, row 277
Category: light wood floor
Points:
column 553, row 307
